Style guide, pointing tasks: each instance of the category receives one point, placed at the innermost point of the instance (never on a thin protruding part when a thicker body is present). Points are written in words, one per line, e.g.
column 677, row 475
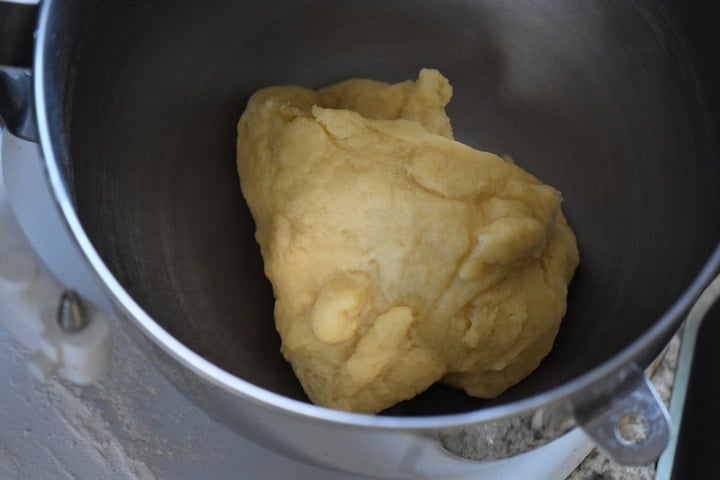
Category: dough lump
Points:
column 398, row 256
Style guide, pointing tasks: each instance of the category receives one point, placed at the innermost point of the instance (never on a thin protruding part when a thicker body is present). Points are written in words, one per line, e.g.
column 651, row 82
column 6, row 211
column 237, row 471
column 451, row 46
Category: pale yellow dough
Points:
column 398, row 256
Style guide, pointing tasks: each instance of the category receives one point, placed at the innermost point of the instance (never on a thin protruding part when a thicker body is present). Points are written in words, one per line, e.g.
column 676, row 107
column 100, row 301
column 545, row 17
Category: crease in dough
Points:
column 398, row 256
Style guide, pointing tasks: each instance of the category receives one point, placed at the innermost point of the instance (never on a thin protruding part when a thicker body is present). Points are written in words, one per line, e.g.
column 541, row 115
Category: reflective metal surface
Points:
column 613, row 103
column 16, row 106
column 17, row 25
column 71, row 313
column 641, row 401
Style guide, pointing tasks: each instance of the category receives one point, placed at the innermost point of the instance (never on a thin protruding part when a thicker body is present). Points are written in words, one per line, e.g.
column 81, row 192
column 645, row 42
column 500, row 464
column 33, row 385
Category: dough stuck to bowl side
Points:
column 398, row 256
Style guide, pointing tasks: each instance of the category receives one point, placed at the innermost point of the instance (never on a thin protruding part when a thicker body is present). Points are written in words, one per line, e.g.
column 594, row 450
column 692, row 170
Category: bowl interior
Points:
column 601, row 100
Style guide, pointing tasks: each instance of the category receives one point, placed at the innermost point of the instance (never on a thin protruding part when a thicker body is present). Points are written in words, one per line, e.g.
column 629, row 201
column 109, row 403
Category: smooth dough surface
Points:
column 398, row 256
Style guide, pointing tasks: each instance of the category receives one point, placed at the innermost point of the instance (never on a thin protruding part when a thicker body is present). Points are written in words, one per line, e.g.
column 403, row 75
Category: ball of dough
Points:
column 398, row 256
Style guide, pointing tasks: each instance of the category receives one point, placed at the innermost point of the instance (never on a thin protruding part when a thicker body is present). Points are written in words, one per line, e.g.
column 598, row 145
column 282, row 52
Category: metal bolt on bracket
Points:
column 71, row 313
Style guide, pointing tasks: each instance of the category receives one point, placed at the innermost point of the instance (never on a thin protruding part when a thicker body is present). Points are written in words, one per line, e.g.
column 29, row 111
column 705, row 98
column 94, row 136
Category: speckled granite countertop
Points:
column 597, row 466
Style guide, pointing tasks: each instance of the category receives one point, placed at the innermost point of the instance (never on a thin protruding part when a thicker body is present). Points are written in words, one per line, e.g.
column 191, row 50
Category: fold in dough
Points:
column 398, row 256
